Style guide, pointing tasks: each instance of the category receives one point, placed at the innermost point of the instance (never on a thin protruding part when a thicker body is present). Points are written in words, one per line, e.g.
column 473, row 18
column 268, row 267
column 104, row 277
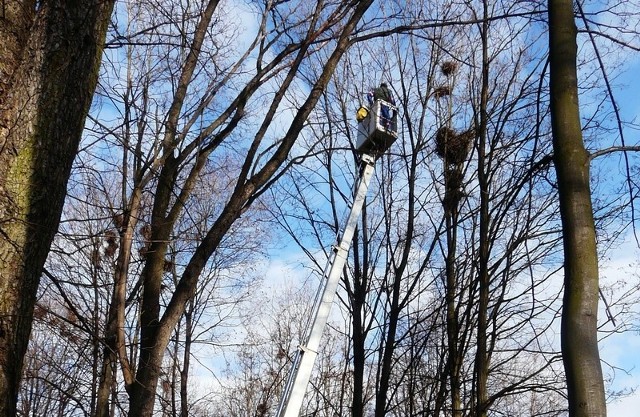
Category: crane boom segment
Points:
column 296, row 386
column 377, row 130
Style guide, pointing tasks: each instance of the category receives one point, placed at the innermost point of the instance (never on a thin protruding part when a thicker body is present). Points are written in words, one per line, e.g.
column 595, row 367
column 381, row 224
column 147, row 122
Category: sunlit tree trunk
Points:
column 49, row 59
column 114, row 343
column 114, row 350
column 580, row 305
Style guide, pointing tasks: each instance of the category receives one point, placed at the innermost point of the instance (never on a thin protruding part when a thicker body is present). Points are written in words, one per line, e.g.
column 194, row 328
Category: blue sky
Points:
column 622, row 349
column 619, row 349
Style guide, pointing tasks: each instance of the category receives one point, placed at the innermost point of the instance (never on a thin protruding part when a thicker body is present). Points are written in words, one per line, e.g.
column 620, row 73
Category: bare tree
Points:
column 447, row 303
column 168, row 143
column 518, row 207
column 580, row 305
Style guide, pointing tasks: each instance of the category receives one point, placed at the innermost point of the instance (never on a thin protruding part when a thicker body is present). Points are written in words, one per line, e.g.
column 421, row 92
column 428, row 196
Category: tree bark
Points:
column 580, row 305
column 184, row 372
column 358, row 299
column 49, row 61
column 482, row 359
column 114, row 339
column 454, row 362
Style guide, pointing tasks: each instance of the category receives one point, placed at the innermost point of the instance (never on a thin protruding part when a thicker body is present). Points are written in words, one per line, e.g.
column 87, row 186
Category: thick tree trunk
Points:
column 49, row 61
column 580, row 305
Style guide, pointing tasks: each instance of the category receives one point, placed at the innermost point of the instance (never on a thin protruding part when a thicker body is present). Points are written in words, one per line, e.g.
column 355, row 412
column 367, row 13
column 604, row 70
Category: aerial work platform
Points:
column 377, row 128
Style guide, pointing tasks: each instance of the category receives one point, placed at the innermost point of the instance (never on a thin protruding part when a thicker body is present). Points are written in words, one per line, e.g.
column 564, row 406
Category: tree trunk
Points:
column 580, row 305
column 184, row 372
column 396, row 302
column 114, row 339
column 453, row 326
column 482, row 360
column 49, row 61
column 358, row 299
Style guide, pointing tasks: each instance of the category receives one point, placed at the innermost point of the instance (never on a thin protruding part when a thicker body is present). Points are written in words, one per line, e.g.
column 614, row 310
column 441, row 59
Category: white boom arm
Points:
column 296, row 387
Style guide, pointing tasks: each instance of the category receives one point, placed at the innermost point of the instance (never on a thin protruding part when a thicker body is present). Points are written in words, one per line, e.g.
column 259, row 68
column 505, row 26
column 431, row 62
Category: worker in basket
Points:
column 386, row 113
column 377, row 121
column 383, row 93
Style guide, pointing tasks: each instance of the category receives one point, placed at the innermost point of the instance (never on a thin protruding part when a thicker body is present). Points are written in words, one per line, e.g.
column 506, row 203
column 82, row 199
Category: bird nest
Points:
column 448, row 67
column 452, row 147
column 111, row 237
column 442, row 91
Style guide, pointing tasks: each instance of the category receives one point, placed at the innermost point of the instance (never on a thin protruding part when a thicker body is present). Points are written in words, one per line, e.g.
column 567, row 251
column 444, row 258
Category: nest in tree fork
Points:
column 442, row 91
column 453, row 148
column 448, row 67
column 111, row 237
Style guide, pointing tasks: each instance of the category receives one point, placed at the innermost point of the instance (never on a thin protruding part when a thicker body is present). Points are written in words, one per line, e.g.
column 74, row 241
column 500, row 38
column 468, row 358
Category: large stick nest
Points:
column 442, row 91
column 448, row 67
column 452, row 147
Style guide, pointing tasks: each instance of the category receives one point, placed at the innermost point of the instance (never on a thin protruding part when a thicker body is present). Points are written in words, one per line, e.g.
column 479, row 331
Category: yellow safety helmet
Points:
column 362, row 113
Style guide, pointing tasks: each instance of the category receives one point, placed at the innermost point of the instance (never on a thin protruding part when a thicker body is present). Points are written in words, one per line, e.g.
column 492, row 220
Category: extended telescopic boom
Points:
column 376, row 132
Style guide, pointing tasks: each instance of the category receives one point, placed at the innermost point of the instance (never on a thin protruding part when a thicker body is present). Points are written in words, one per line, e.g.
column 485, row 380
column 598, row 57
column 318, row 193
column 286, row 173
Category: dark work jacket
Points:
column 383, row 93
